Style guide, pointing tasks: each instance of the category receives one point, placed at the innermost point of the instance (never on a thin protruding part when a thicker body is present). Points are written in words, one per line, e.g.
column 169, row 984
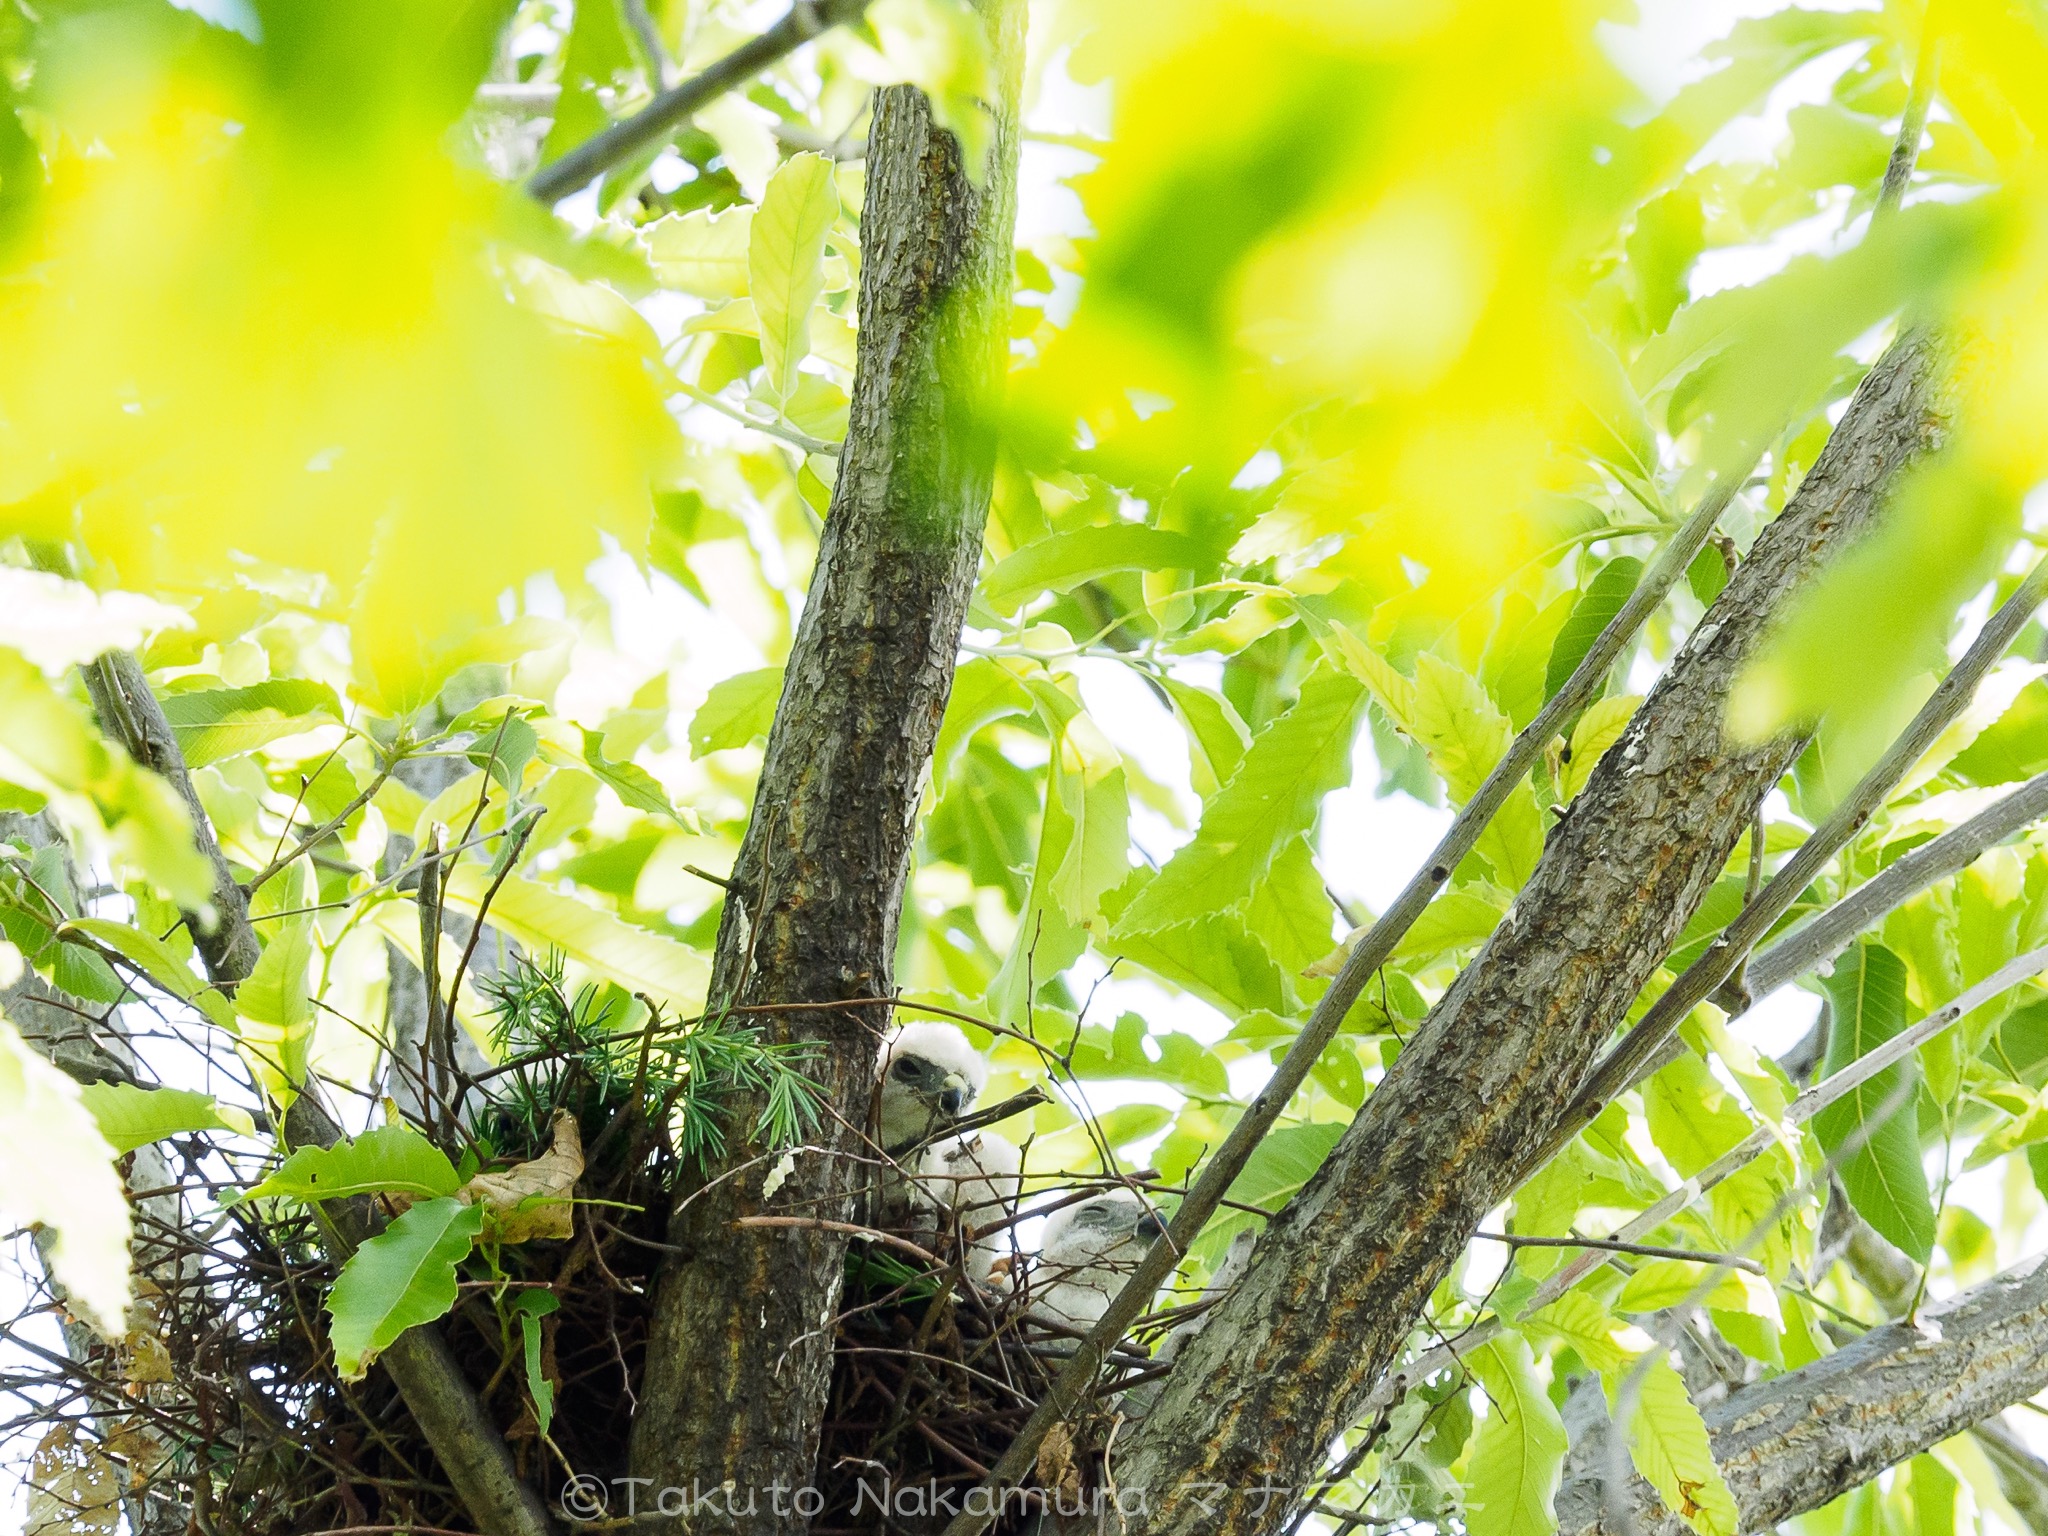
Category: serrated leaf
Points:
column 1457, row 725
column 1599, row 728
column 1611, row 587
column 1513, row 1474
column 736, row 711
column 1393, row 693
column 212, row 724
column 1602, row 1340
column 1667, row 1439
column 702, row 253
column 1274, row 795
column 1128, row 1052
column 154, row 959
column 544, row 919
column 1217, row 958
column 1884, row 1177
column 392, row 1159
column 1062, row 561
column 402, row 1277
column 786, row 262
column 130, row 1116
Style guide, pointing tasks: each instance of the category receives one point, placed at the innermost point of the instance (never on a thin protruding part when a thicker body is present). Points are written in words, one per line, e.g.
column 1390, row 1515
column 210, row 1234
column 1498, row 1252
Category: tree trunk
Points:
column 741, row 1347
column 1340, row 1275
column 1802, row 1439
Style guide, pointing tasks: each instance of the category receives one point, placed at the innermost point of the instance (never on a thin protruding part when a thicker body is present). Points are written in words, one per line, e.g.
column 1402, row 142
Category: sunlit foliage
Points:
column 1384, row 346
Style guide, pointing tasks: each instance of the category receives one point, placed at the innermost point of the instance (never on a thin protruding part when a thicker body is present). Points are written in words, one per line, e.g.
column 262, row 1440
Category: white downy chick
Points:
column 976, row 1177
column 931, row 1077
column 1087, row 1252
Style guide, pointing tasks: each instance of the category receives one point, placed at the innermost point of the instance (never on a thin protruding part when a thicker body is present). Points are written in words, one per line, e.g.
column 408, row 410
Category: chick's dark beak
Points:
column 953, row 1100
column 1150, row 1226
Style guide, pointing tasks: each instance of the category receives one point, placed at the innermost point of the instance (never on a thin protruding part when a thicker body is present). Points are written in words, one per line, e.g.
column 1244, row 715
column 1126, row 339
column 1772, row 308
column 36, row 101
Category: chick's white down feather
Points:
column 931, row 1077
column 976, row 1178
column 1086, row 1253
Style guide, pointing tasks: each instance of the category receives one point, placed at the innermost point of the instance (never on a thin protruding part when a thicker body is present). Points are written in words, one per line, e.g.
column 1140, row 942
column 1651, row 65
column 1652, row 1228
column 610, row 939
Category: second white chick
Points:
column 1087, row 1252
column 931, row 1077
column 977, row 1177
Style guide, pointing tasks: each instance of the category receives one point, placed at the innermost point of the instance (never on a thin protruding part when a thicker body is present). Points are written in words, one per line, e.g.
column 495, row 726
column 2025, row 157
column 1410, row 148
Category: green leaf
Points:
column 1601, row 1339
column 542, row 919
column 736, row 711
column 786, row 262
column 277, row 992
column 1083, row 851
column 1611, row 587
column 1273, row 1175
column 1063, row 561
column 702, row 253
column 392, row 1158
column 1667, row 1439
column 212, row 724
column 600, row 51
column 154, row 959
column 57, row 1170
column 503, row 747
column 634, row 785
column 1274, row 795
column 1128, row 1052
column 984, row 691
column 1216, row 736
column 1513, row 1473
column 1217, row 958
column 52, row 749
column 941, row 47
column 1457, row 725
column 1884, row 1178
column 1455, row 920
column 531, row 1306
column 131, row 1117
column 1661, row 1283
column 1599, row 728
column 1693, row 1118
column 402, row 1277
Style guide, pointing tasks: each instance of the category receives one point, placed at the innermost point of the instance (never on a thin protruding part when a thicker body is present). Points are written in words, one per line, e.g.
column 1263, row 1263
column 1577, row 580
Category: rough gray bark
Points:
column 1802, row 1439
column 1341, row 1273
column 471, row 1450
column 740, row 1352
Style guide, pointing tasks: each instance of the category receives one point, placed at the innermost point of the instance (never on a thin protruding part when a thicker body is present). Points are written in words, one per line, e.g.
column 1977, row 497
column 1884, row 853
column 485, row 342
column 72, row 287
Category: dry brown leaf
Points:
column 532, row 1199
column 144, row 1453
column 74, row 1490
column 1056, row 1469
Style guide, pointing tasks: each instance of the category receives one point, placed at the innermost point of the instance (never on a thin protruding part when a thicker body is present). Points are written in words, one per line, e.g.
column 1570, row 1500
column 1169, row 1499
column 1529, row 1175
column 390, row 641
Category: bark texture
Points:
column 1339, row 1276
column 1802, row 1439
column 740, row 1352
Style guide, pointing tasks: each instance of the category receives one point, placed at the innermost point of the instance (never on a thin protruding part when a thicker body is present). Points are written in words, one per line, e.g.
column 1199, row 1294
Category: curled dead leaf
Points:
column 532, row 1199
column 1056, row 1469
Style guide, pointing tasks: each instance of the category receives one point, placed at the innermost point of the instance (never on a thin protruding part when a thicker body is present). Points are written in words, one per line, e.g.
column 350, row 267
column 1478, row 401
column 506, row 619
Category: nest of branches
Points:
column 222, row 1410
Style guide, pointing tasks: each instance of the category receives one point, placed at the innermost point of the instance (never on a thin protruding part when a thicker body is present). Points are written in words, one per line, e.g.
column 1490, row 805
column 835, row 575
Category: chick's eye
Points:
column 905, row 1068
